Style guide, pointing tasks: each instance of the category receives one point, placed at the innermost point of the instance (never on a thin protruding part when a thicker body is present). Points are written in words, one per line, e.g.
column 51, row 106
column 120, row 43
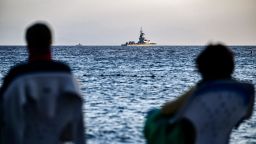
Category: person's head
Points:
column 215, row 62
column 39, row 39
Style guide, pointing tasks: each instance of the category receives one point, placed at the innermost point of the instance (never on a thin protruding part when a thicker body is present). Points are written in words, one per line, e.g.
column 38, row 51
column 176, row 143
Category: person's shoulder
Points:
column 229, row 86
column 14, row 70
column 39, row 66
column 238, row 84
column 51, row 66
column 248, row 87
column 59, row 66
column 11, row 74
column 225, row 83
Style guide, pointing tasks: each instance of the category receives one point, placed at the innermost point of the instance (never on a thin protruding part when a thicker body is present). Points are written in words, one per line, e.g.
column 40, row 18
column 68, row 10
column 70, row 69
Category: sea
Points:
column 121, row 84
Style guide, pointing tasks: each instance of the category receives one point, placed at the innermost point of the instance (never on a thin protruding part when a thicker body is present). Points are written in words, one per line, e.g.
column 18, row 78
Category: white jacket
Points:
column 43, row 108
column 218, row 107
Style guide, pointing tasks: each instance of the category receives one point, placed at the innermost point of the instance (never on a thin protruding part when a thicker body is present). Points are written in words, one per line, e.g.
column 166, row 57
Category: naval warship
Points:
column 142, row 41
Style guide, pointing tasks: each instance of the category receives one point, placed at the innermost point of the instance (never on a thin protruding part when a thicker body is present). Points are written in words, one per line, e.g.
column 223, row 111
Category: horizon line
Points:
column 134, row 46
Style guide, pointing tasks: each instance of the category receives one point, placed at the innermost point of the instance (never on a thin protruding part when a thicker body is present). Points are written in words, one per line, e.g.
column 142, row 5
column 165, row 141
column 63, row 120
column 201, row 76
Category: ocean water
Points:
column 120, row 84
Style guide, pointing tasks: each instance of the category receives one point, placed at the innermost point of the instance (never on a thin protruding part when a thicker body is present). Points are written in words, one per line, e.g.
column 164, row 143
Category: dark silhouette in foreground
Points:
column 41, row 101
column 212, row 108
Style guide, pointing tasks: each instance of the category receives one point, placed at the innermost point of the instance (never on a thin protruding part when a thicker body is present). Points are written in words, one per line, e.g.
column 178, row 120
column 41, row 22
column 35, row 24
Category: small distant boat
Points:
column 142, row 41
column 79, row 44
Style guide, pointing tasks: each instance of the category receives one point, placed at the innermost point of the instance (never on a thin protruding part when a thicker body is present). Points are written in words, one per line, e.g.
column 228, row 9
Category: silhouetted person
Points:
column 218, row 102
column 41, row 100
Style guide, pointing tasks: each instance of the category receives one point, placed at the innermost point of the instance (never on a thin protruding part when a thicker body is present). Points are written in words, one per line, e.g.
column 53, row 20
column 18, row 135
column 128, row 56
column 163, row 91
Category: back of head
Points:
column 215, row 62
column 39, row 39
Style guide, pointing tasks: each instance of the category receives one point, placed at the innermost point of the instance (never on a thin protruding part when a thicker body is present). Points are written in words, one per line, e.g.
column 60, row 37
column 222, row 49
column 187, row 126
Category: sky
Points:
column 113, row 22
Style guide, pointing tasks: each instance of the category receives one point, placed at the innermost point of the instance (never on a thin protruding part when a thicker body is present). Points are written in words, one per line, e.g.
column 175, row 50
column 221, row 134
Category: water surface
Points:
column 120, row 84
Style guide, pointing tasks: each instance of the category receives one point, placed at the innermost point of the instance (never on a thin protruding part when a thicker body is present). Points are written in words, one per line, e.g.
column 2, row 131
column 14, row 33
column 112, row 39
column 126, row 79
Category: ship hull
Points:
column 151, row 44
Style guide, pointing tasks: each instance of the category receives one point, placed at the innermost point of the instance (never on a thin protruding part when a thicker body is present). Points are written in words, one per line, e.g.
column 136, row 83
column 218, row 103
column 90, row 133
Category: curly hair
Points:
column 215, row 62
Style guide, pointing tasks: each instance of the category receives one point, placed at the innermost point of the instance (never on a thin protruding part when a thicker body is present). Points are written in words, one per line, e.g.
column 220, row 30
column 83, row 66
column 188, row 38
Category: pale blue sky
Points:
column 112, row 22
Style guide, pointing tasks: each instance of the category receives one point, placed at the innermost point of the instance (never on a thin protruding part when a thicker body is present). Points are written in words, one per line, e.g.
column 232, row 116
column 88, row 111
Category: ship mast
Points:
column 142, row 36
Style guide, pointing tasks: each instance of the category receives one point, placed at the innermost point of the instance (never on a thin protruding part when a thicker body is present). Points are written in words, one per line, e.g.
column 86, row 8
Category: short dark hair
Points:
column 39, row 38
column 215, row 62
